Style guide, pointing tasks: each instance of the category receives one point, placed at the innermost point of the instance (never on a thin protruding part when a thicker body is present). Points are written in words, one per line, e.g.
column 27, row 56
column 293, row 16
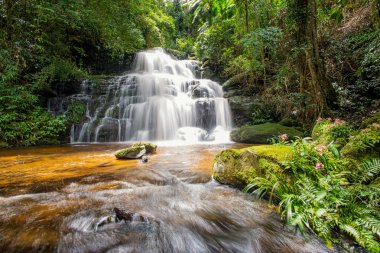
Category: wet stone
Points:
column 144, row 159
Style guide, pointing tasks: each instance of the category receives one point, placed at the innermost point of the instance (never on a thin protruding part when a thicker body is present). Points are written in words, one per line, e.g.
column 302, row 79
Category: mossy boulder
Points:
column 150, row 148
column 364, row 143
column 238, row 167
column 136, row 151
column 260, row 134
column 131, row 153
column 328, row 130
column 292, row 123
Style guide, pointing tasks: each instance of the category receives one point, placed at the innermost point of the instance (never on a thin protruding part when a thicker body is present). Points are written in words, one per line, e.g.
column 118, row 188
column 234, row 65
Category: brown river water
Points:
column 62, row 199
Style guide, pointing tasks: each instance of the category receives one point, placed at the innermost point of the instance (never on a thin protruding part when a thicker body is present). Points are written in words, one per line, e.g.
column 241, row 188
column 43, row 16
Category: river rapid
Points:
column 62, row 199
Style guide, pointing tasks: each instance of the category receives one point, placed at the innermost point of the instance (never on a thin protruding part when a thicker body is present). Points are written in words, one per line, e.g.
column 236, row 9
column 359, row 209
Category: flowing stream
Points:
column 62, row 199
column 79, row 198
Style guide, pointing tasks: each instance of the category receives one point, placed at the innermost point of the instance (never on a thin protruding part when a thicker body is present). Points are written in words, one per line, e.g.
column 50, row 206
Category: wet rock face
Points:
column 122, row 215
column 200, row 92
column 206, row 118
column 241, row 107
column 108, row 132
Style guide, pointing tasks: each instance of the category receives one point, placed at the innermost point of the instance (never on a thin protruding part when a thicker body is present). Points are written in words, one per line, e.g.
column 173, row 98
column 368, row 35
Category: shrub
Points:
column 331, row 130
column 364, row 142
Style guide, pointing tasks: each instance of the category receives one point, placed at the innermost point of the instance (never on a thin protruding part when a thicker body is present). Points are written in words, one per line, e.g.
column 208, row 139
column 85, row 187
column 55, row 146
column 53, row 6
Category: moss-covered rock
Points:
column 150, row 148
column 238, row 167
column 328, row 130
column 131, row 153
column 290, row 123
column 259, row 134
column 136, row 151
column 364, row 143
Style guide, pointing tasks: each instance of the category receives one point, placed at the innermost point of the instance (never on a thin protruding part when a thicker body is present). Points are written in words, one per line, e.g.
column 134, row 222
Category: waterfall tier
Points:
column 160, row 100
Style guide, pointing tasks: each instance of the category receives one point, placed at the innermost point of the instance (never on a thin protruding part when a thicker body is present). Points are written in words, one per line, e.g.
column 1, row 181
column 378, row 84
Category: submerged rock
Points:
column 260, row 134
column 122, row 215
column 144, row 159
column 238, row 167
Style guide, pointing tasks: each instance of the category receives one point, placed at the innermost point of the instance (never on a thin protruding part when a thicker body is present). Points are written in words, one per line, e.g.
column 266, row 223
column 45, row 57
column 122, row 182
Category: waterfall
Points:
column 160, row 100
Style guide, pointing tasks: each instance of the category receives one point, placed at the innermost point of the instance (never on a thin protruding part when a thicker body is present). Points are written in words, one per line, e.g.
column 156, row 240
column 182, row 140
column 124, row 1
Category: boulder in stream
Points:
column 131, row 153
column 238, row 167
column 144, row 159
column 149, row 147
column 136, row 151
column 122, row 215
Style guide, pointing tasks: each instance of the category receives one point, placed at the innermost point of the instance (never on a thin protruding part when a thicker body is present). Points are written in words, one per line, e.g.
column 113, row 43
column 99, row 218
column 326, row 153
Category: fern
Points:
column 369, row 170
column 370, row 223
column 351, row 230
column 324, row 200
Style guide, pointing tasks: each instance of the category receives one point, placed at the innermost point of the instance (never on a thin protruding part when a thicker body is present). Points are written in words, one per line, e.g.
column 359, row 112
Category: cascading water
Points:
column 161, row 100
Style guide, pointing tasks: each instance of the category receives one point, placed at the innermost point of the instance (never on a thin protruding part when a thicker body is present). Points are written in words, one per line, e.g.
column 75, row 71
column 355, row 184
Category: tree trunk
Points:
column 246, row 16
column 318, row 82
column 312, row 79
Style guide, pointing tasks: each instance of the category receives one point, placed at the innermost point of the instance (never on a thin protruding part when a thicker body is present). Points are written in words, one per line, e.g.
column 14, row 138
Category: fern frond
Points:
column 350, row 230
column 369, row 169
column 371, row 224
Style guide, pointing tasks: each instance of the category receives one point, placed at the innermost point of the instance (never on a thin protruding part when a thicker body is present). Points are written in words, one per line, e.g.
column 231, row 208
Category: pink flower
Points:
column 329, row 119
column 319, row 119
column 339, row 121
column 376, row 125
column 283, row 137
column 321, row 149
column 319, row 165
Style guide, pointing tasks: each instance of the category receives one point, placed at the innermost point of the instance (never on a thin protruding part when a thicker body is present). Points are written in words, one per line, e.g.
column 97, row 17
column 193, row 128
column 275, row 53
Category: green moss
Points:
column 135, row 149
column 290, row 123
column 4, row 145
column 76, row 112
column 261, row 133
column 150, row 148
column 122, row 154
column 238, row 167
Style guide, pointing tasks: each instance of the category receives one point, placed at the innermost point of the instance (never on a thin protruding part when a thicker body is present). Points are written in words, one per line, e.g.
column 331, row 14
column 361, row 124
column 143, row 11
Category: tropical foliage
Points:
column 323, row 191
column 44, row 42
column 291, row 52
